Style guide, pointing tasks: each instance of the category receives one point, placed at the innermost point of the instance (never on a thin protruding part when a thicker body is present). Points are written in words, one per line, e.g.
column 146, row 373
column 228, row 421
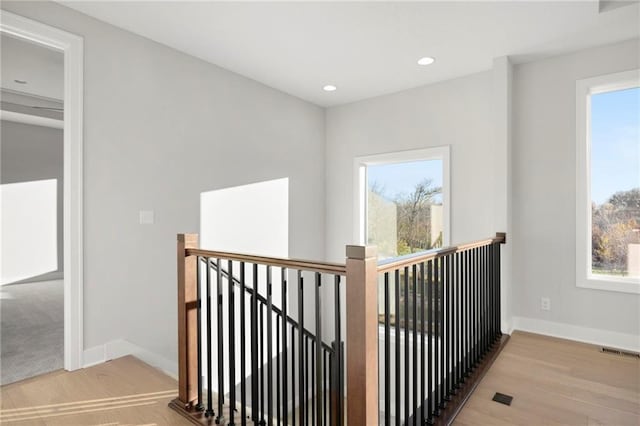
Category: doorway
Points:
column 41, row 231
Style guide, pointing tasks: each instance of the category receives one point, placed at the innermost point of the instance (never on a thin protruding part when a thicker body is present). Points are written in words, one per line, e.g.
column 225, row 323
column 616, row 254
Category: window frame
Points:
column 584, row 89
column 360, row 185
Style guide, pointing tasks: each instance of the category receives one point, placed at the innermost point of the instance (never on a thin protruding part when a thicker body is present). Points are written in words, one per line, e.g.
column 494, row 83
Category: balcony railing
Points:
column 261, row 338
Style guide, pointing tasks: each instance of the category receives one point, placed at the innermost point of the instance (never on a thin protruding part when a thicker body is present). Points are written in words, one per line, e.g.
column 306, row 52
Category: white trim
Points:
column 119, row 348
column 594, row 336
column 34, row 120
column 72, row 47
column 359, row 182
column 585, row 88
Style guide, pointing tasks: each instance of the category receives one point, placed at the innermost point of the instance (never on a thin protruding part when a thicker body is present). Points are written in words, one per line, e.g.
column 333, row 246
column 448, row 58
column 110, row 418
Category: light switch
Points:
column 146, row 217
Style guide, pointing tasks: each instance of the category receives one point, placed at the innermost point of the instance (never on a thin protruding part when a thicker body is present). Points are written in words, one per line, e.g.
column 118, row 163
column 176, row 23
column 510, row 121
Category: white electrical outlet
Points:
column 545, row 304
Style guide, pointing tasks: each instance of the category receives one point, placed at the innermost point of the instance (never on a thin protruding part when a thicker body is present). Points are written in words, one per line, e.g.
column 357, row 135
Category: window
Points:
column 608, row 182
column 402, row 205
column 403, row 201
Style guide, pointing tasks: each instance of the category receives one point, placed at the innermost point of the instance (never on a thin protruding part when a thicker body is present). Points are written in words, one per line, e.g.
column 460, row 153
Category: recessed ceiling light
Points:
column 20, row 81
column 427, row 60
column 329, row 88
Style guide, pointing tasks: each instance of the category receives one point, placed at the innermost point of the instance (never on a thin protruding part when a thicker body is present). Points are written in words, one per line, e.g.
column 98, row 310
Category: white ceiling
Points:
column 366, row 48
column 42, row 68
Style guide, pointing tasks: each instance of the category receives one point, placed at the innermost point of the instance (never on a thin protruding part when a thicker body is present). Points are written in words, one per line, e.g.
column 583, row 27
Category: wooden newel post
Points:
column 362, row 335
column 187, row 320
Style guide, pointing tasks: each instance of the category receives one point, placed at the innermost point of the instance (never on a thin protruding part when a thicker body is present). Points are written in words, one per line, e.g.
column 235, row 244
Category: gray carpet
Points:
column 31, row 330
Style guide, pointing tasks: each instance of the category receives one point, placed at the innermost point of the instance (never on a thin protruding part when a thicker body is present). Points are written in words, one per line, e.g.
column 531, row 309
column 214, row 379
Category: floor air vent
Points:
column 502, row 398
column 619, row 352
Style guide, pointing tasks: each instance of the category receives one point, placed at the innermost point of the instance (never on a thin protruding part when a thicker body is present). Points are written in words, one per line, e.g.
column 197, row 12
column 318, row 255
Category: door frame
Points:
column 71, row 46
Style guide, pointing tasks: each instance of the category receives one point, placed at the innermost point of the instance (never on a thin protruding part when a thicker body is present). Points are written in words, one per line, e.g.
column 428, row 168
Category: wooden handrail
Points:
column 415, row 258
column 303, row 265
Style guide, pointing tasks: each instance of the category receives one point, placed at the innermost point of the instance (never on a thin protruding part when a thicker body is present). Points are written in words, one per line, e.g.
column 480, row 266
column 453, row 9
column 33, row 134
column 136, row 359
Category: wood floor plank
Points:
column 556, row 381
column 124, row 391
column 553, row 382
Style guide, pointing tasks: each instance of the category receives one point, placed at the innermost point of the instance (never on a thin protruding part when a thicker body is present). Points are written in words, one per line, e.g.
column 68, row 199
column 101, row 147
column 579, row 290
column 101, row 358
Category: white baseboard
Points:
column 119, row 348
column 630, row 342
column 93, row 356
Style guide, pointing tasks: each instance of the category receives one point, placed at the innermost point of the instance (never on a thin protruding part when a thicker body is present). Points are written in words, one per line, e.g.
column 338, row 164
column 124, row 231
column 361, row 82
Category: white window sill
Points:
column 608, row 283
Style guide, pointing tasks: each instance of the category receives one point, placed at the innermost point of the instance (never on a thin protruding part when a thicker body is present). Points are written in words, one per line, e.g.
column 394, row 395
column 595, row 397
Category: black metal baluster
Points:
column 490, row 306
column 480, row 306
column 430, row 302
column 498, row 284
column 269, row 348
column 406, row 344
column 465, row 316
column 446, row 282
column 475, row 308
column 492, row 297
column 463, row 304
column 255, row 408
column 458, row 325
column 485, row 317
column 293, row 376
column 338, row 354
column 285, row 394
column 262, row 421
column 468, row 301
column 496, row 289
column 278, row 412
column 333, row 419
column 492, row 284
column 397, row 346
column 450, row 332
column 387, row 351
column 301, row 343
column 481, row 300
column 443, row 342
column 232, row 346
column 243, row 356
column 414, row 323
column 423, row 365
column 314, row 408
column 199, row 405
column 209, row 412
column 471, row 311
column 318, row 356
column 306, row 380
column 453, row 377
column 438, row 326
column 324, row 381
column 472, row 290
column 219, row 291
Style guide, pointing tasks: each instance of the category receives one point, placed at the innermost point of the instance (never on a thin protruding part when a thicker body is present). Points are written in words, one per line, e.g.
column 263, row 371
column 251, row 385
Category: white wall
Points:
column 456, row 113
column 544, row 186
column 160, row 128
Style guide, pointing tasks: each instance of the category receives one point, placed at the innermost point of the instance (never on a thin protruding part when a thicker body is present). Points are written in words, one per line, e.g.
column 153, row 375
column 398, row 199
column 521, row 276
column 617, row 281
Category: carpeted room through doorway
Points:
column 31, row 329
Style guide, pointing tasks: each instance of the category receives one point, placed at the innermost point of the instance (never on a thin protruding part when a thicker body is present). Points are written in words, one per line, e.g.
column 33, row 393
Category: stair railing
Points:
column 252, row 345
column 281, row 353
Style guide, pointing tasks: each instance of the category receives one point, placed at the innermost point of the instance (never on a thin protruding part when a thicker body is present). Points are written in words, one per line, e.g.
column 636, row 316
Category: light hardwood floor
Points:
column 124, row 391
column 553, row 381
